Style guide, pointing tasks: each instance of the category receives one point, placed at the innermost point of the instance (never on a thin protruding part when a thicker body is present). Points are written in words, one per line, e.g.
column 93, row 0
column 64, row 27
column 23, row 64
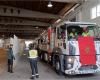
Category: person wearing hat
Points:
column 10, row 58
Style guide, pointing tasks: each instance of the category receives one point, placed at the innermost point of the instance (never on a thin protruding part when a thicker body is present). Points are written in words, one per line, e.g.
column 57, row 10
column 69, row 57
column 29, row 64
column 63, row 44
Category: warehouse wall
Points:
column 22, row 46
column 85, row 12
column 1, row 43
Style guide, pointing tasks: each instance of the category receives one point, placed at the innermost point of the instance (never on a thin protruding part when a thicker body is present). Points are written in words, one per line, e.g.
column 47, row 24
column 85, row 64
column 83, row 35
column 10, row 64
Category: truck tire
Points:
column 58, row 67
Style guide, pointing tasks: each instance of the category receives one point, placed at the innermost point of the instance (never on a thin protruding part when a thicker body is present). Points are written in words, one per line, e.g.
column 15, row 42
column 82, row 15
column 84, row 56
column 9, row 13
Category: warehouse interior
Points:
column 25, row 21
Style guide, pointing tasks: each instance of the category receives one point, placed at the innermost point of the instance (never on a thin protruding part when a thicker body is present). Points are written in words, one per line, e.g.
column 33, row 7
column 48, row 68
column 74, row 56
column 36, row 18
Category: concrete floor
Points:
column 22, row 71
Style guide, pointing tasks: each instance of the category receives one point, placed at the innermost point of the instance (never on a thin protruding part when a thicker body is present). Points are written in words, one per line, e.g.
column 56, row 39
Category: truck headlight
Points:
column 70, row 62
column 70, row 59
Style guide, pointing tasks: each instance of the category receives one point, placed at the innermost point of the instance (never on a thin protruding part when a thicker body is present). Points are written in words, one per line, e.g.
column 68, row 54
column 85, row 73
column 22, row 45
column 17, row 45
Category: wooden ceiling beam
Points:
column 18, row 12
column 18, row 31
column 25, row 22
column 21, row 29
column 68, row 1
column 66, row 8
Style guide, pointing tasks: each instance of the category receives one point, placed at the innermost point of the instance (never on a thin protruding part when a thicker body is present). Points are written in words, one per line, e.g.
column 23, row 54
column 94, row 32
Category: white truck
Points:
column 80, row 55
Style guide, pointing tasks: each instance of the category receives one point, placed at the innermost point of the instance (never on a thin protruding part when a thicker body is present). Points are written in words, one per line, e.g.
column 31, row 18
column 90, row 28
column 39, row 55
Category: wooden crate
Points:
column 3, row 59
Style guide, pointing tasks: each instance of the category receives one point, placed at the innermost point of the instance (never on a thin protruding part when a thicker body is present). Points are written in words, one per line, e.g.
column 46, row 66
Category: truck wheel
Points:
column 58, row 67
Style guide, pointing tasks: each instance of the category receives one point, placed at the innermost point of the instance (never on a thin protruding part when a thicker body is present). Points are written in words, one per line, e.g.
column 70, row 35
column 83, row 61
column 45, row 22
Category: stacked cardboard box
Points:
column 3, row 59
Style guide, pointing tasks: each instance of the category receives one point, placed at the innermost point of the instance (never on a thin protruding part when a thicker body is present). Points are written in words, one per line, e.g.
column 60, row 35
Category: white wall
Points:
column 85, row 14
column 22, row 46
column 1, row 43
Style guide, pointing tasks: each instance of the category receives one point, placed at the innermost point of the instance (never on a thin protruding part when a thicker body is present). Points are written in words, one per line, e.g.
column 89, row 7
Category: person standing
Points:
column 10, row 58
column 33, row 56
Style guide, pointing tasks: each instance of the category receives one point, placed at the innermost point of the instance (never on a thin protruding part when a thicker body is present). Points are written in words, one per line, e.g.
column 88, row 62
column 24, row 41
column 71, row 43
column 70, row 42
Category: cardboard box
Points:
column 3, row 59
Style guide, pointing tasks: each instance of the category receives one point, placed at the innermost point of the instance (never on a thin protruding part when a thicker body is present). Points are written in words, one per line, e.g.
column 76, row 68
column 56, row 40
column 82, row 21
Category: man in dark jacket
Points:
column 10, row 59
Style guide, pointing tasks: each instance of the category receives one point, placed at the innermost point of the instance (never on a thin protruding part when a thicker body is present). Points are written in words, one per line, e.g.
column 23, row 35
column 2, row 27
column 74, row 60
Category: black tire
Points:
column 58, row 67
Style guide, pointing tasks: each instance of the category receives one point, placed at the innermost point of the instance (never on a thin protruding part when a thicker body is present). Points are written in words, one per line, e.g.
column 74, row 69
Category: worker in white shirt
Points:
column 33, row 55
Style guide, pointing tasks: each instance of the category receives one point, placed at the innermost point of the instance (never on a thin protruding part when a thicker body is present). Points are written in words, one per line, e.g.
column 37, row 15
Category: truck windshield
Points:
column 83, row 30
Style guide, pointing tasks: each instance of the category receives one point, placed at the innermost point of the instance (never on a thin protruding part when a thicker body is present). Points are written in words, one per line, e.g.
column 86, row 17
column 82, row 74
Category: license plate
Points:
column 87, row 67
